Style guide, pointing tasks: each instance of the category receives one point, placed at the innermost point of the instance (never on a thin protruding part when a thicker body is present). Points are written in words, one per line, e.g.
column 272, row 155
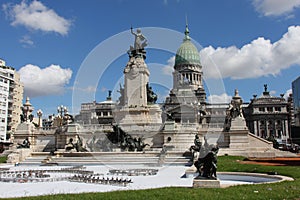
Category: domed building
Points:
column 186, row 101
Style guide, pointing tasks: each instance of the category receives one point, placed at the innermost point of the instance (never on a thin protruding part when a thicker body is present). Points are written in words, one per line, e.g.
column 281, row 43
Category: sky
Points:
column 73, row 52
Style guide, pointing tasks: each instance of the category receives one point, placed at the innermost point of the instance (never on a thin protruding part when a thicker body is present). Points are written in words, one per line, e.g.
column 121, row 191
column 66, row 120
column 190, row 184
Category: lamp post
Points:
column 39, row 114
column 62, row 111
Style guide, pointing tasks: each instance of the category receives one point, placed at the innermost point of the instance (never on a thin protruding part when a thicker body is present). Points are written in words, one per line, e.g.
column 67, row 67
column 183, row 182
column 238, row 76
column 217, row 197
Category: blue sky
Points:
column 69, row 52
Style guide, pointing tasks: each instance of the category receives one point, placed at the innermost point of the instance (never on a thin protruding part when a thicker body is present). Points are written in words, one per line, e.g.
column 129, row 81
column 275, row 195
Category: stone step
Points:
column 102, row 160
column 94, row 158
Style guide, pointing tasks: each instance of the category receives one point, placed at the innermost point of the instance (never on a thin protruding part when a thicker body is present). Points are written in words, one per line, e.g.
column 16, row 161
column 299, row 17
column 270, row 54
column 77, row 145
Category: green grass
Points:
column 3, row 159
column 283, row 190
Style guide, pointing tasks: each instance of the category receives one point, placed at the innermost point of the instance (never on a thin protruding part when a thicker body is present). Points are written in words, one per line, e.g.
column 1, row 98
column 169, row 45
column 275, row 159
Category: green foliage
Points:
column 282, row 190
column 3, row 159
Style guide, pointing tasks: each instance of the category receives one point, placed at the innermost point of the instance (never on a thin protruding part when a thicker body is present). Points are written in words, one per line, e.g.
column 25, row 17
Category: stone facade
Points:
column 96, row 113
column 296, row 100
column 268, row 116
column 11, row 92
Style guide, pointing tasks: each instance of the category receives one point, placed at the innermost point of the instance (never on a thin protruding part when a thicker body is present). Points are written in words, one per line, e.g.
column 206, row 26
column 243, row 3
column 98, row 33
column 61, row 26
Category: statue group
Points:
column 125, row 141
column 25, row 144
column 204, row 158
column 78, row 146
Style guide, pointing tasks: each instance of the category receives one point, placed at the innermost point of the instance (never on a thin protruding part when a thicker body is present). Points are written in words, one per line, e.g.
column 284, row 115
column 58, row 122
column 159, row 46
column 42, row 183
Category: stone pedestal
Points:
column 136, row 78
column 18, row 155
column 23, row 131
column 238, row 139
column 238, row 123
column 238, row 134
column 200, row 182
column 137, row 114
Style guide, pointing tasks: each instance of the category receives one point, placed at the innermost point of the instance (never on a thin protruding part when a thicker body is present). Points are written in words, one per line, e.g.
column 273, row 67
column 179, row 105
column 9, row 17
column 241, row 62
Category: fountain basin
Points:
column 238, row 178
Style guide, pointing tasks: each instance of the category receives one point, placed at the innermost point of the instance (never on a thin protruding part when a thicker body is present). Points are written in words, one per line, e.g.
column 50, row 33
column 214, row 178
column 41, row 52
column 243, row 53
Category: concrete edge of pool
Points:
column 228, row 179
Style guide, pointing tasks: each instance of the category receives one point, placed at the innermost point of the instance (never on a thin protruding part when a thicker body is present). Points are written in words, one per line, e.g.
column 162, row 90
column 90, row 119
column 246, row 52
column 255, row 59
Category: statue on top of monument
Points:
column 234, row 111
column 27, row 109
column 140, row 40
column 235, row 106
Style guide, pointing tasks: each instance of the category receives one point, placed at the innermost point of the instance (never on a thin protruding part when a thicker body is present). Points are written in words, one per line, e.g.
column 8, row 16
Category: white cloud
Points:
column 287, row 93
column 223, row 98
column 256, row 59
column 272, row 92
column 43, row 82
column 276, row 7
column 169, row 68
column 26, row 41
column 37, row 16
column 104, row 89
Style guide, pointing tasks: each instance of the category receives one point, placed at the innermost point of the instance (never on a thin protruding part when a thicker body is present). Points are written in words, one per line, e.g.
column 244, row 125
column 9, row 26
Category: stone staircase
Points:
column 37, row 159
column 181, row 142
column 177, row 158
column 106, row 158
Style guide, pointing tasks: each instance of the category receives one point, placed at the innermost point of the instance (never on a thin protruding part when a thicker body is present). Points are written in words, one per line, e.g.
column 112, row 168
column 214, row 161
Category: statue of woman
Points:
column 140, row 41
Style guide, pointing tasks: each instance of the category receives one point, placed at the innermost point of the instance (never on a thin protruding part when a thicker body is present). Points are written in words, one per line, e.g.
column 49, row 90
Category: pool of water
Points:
column 229, row 178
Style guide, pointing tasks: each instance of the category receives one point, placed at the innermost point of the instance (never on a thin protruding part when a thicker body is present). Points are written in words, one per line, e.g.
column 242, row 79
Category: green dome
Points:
column 187, row 52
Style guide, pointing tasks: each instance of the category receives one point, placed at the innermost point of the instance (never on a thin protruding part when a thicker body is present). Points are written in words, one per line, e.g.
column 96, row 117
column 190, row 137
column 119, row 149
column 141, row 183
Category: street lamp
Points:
column 39, row 114
column 62, row 111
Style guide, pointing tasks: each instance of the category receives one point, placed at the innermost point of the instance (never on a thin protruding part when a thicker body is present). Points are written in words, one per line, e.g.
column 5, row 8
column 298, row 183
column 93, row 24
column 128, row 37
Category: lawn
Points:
column 3, row 159
column 283, row 190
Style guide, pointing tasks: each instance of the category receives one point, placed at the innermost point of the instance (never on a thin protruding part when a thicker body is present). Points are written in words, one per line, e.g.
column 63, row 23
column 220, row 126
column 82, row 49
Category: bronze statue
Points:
column 151, row 96
column 125, row 141
column 195, row 149
column 70, row 145
column 25, row 144
column 78, row 145
column 207, row 165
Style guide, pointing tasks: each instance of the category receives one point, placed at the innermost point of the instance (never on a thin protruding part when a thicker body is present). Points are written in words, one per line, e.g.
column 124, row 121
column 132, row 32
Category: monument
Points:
column 235, row 123
column 25, row 135
column 137, row 113
column 26, row 129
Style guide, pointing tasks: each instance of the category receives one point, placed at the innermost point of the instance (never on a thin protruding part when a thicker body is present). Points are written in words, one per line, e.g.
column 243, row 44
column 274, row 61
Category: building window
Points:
column 278, row 109
column 270, row 109
column 262, row 109
column 279, row 133
column 263, row 133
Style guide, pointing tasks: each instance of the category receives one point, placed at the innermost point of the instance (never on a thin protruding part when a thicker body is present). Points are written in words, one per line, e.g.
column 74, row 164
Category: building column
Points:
column 286, row 129
column 256, row 132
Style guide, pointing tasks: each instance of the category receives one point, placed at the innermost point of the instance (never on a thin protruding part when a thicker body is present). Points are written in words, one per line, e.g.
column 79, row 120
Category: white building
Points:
column 11, row 95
